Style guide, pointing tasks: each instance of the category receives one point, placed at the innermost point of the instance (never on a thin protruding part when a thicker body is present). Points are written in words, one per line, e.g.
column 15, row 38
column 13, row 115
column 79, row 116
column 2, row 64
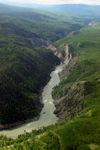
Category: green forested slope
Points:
column 24, row 69
column 21, row 77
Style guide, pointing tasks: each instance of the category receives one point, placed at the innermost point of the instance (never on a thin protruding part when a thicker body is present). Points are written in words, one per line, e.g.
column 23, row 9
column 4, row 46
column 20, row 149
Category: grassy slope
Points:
column 87, row 64
column 82, row 132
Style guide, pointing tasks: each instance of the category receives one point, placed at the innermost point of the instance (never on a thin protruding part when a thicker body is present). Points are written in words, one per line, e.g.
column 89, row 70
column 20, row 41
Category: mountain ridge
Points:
column 78, row 9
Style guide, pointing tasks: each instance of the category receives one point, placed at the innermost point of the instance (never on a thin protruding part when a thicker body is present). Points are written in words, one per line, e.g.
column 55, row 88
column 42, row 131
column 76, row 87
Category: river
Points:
column 46, row 116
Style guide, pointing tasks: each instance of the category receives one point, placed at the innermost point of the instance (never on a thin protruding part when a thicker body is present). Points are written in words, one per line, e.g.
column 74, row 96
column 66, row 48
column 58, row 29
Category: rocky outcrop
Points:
column 53, row 48
column 66, row 57
column 70, row 102
column 67, row 69
column 40, row 42
column 69, row 62
column 59, row 55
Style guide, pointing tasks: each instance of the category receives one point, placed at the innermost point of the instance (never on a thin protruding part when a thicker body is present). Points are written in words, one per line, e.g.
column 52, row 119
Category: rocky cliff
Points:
column 42, row 43
column 53, row 48
column 66, row 57
column 70, row 102
column 69, row 62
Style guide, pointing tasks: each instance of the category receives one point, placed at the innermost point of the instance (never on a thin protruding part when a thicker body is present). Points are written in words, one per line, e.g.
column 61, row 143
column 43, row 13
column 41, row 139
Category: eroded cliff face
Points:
column 69, row 62
column 42, row 43
column 70, row 102
column 67, row 68
column 53, row 48
column 66, row 57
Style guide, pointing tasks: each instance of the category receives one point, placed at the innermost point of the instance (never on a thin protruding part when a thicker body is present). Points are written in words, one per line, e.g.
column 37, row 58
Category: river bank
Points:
column 46, row 116
column 39, row 105
column 9, row 126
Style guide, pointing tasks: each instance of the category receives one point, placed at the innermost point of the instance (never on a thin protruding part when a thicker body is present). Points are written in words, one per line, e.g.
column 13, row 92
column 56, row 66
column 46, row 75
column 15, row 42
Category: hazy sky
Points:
column 90, row 2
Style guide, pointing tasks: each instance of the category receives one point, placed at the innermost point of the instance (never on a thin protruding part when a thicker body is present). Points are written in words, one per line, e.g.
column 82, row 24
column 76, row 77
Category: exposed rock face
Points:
column 69, row 103
column 40, row 42
column 43, row 43
column 51, row 47
column 67, row 69
column 66, row 57
column 69, row 62
column 59, row 55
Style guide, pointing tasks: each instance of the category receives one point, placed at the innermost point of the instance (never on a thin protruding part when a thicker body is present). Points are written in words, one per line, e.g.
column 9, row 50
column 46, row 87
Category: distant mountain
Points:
column 76, row 9
column 44, row 24
column 27, row 5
